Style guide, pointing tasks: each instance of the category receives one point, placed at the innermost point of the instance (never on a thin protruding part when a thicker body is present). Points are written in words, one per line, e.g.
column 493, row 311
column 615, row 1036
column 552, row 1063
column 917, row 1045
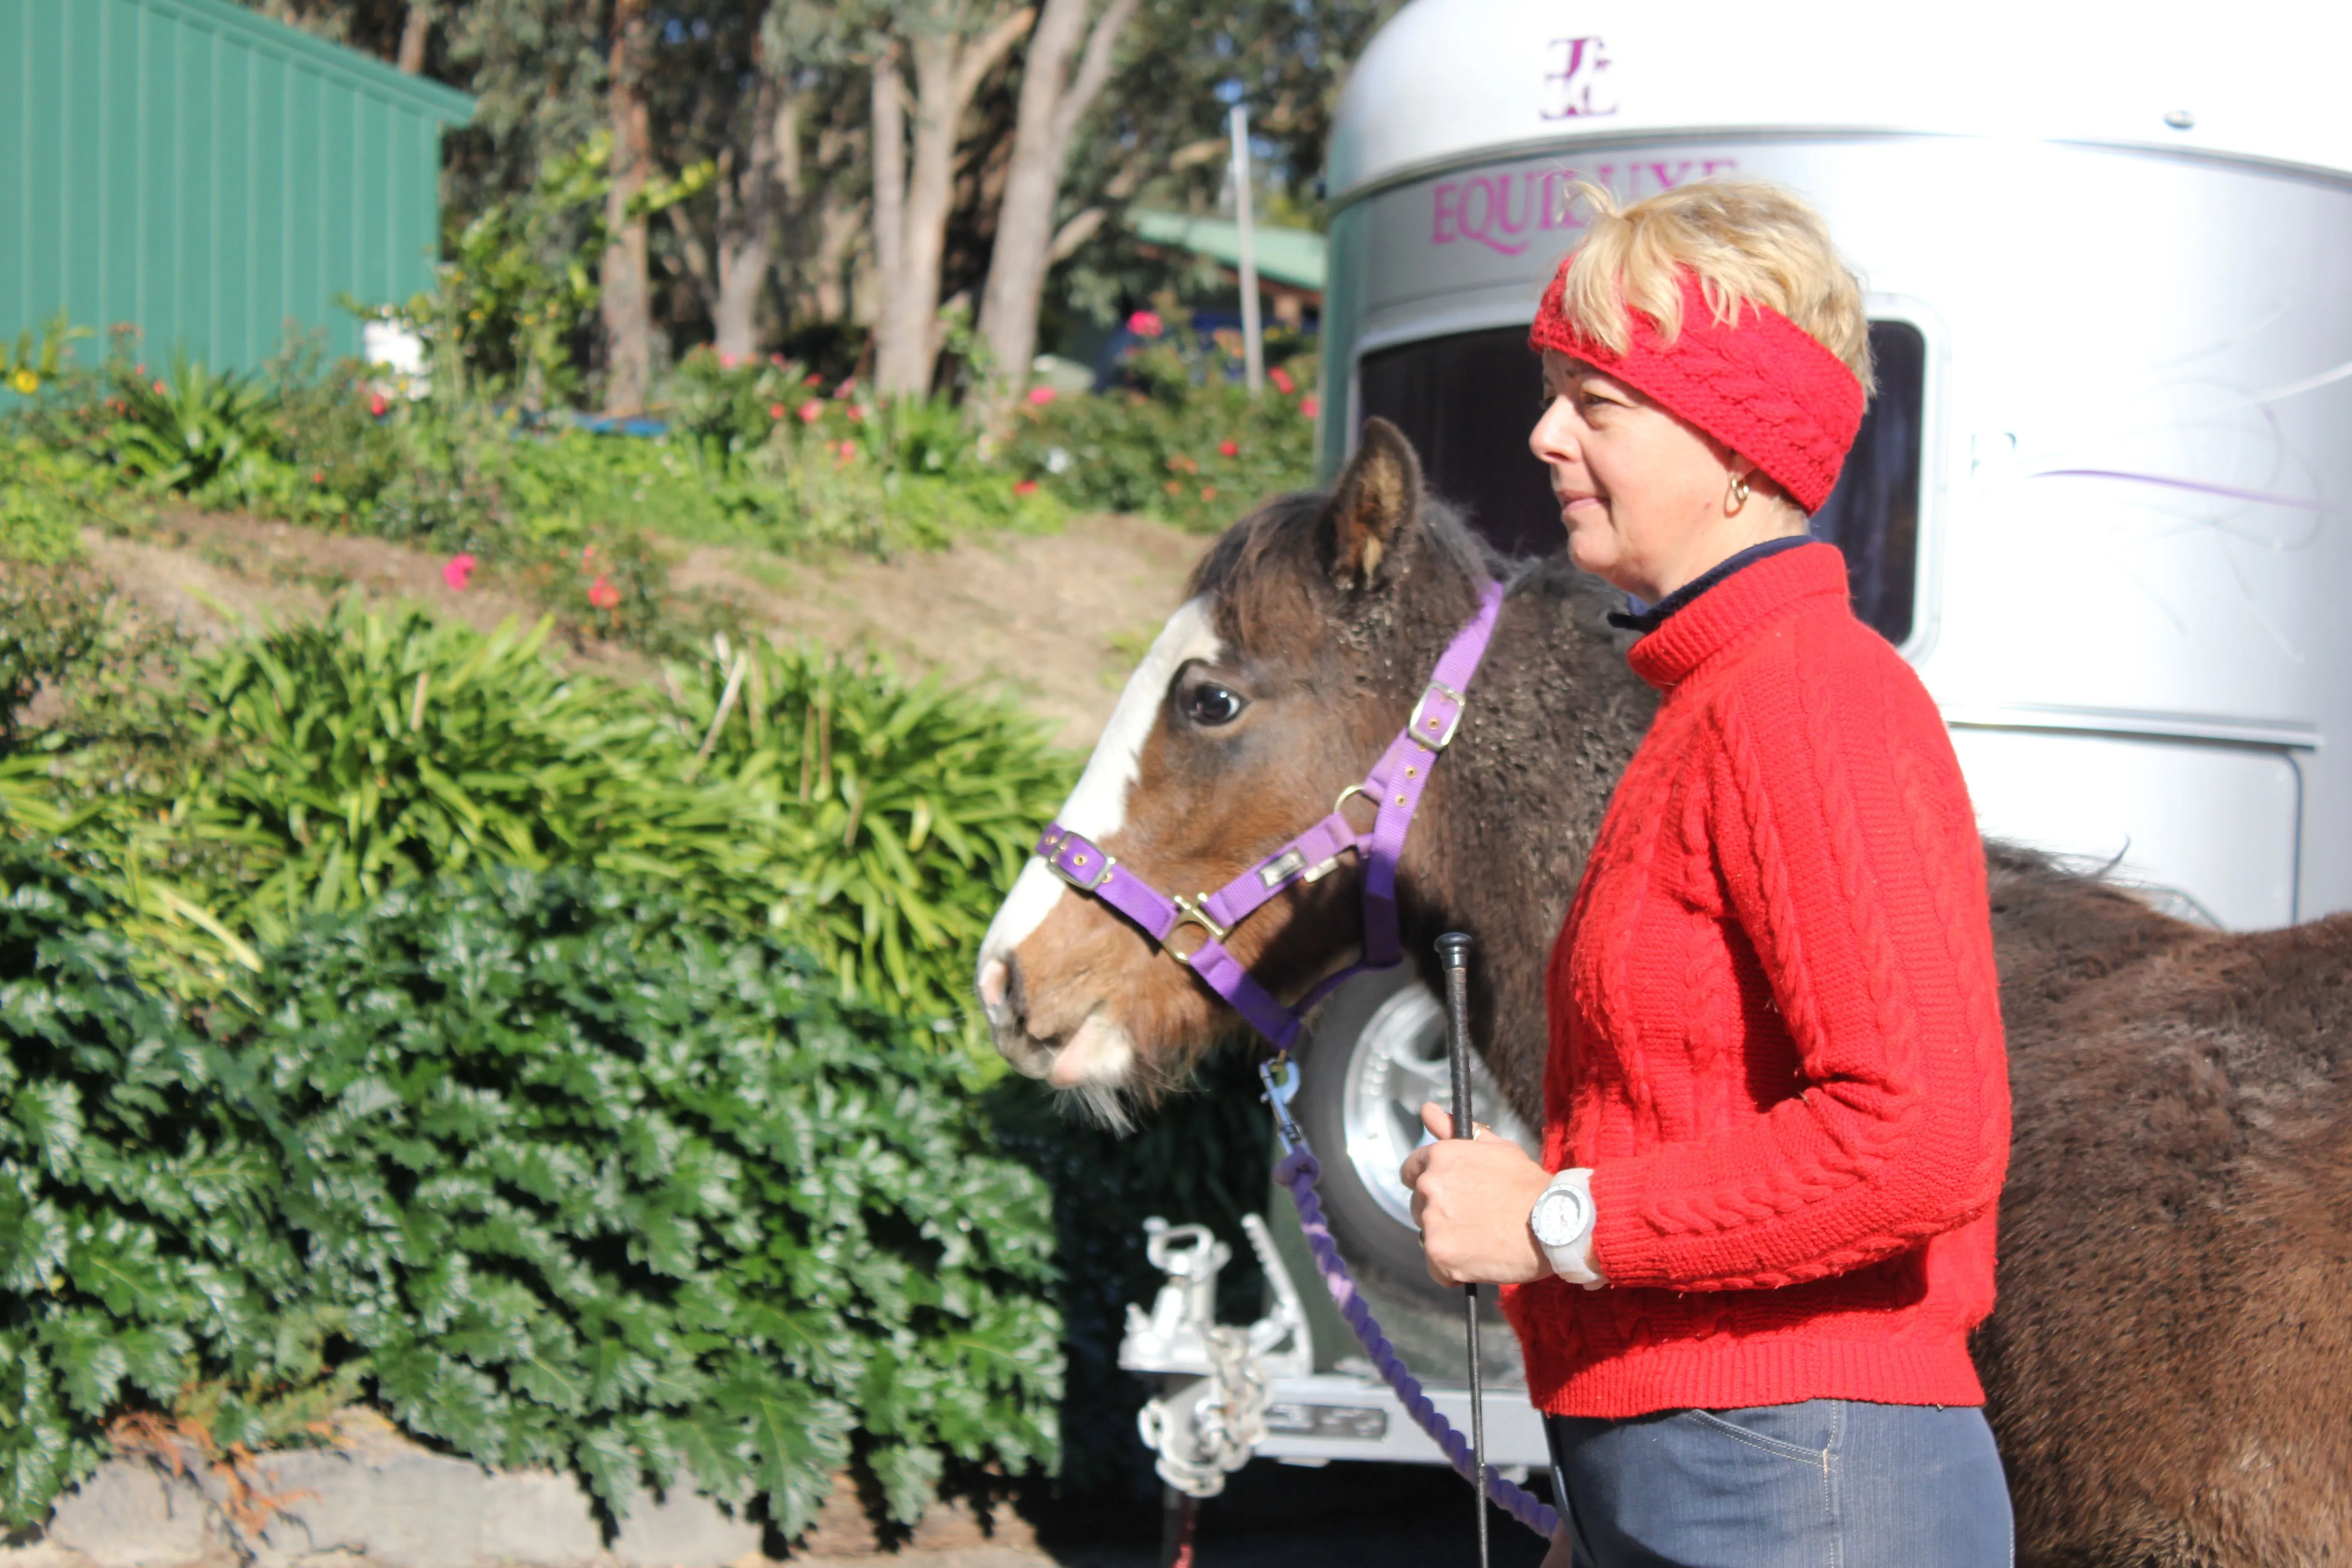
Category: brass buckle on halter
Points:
column 1461, row 706
column 1083, row 883
column 1189, row 912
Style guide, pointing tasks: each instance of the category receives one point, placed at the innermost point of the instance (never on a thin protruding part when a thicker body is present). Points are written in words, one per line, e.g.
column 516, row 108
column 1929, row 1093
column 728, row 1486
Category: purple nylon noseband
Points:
column 1394, row 786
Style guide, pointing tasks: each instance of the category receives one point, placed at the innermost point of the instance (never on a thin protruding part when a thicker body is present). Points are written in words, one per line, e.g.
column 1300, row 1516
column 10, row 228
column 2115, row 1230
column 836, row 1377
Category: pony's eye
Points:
column 1212, row 705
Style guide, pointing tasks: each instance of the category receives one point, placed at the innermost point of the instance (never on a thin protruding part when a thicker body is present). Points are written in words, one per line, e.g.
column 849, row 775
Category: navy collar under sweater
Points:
column 1649, row 619
column 1737, row 607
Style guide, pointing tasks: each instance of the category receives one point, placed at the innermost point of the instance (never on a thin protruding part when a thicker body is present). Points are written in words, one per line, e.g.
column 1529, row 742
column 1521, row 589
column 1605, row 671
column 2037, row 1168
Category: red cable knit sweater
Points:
column 1776, row 1031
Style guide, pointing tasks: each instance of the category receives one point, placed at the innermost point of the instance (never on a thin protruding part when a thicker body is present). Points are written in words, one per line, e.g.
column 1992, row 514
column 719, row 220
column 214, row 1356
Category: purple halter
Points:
column 1394, row 786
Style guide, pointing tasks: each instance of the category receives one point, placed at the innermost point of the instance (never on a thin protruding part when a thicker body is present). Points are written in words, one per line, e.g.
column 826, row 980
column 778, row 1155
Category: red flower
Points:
column 1308, row 406
column 775, row 411
column 377, row 404
column 1146, row 324
column 1208, row 492
column 1025, row 487
column 1281, row 378
column 812, row 411
column 587, row 554
column 159, row 389
column 602, row 594
column 455, row 570
column 1040, row 396
column 1230, row 450
column 845, row 453
column 857, row 413
column 317, row 476
column 812, row 379
column 726, row 359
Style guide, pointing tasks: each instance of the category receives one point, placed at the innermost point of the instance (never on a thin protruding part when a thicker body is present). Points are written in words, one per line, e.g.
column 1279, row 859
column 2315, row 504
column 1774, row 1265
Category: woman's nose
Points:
column 1552, row 441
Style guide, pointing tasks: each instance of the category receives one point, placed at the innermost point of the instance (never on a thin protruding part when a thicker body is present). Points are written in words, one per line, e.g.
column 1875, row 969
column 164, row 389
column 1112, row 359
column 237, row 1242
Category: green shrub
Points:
column 1182, row 439
column 554, row 1173
column 197, row 428
column 876, row 820
column 45, row 497
column 919, row 803
column 138, row 1239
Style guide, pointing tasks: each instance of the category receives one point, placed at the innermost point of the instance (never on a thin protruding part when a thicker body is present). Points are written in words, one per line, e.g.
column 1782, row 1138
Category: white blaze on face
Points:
column 1097, row 807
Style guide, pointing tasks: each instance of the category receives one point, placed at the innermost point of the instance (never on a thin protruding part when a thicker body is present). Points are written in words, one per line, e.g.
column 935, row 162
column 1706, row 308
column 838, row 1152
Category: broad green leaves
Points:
column 553, row 1172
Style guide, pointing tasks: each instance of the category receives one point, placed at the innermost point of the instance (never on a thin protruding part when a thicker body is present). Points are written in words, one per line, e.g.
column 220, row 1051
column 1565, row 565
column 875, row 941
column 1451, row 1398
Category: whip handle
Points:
column 1453, row 955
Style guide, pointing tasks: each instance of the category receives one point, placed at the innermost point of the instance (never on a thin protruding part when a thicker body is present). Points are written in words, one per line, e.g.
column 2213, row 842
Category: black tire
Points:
column 1421, row 1317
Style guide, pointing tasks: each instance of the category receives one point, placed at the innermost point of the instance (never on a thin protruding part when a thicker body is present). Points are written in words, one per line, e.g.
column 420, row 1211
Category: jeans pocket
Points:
column 1805, row 1432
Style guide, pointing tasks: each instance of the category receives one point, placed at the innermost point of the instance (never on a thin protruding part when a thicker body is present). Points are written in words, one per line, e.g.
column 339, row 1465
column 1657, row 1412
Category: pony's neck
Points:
column 1512, row 814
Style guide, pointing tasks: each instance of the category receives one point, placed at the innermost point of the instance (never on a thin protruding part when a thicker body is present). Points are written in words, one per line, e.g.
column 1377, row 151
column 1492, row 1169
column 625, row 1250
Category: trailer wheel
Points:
column 1377, row 1050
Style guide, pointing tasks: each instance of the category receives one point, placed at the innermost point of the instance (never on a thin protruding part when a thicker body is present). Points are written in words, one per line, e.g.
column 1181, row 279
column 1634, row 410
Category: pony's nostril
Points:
column 1017, row 1001
column 992, row 986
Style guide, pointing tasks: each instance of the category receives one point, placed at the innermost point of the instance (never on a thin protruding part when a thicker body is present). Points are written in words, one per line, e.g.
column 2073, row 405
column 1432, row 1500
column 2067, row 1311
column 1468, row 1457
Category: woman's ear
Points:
column 1374, row 508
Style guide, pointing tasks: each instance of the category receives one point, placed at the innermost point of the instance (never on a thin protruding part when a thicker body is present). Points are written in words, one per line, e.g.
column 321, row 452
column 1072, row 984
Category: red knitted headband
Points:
column 1765, row 388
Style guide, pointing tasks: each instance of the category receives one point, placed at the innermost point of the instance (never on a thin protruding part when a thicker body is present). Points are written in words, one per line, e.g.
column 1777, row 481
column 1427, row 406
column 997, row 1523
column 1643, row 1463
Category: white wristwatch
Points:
column 1562, row 1222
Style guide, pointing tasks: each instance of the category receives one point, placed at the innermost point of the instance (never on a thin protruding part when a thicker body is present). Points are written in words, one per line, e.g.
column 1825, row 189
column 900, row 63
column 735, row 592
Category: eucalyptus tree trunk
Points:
column 414, row 29
column 628, row 289
column 915, row 194
column 1052, row 102
column 747, row 216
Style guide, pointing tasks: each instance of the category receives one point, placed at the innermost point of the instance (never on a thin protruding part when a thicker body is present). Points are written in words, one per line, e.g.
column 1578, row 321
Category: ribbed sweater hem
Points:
column 1715, row 1377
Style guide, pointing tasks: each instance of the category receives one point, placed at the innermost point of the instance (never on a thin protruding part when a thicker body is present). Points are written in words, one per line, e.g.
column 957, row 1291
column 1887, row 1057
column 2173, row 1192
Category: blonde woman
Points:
column 1745, row 1269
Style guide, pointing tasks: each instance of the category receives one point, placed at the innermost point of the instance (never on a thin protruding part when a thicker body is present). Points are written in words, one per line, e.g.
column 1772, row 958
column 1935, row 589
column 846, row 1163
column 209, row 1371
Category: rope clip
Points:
column 1278, row 1093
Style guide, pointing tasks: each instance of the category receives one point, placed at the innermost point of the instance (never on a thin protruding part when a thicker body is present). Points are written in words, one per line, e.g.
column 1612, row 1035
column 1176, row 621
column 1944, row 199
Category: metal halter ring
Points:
column 1189, row 912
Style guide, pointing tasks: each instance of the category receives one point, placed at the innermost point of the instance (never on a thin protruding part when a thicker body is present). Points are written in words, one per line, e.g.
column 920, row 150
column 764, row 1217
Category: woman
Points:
column 1777, row 1106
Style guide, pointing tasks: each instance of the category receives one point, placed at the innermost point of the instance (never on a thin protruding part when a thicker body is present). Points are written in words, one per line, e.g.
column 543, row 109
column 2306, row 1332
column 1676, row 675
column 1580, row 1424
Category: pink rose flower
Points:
column 1025, row 488
column 602, row 594
column 1146, row 324
column 455, row 570
column 1040, row 396
column 1308, row 406
column 377, row 404
column 1281, row 378
column 775, row 411
column 1230, row 450
column 812, row 411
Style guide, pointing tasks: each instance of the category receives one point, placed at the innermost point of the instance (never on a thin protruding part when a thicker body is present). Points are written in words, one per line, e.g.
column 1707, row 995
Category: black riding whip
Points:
column 1454, row 952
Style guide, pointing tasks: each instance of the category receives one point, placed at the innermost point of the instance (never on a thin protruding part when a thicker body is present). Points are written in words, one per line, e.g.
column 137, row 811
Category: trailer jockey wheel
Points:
column 1376, row 1052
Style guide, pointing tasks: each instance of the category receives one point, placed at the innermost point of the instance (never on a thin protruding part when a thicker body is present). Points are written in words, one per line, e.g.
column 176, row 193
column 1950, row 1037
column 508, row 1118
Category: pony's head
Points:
column 1310, row 628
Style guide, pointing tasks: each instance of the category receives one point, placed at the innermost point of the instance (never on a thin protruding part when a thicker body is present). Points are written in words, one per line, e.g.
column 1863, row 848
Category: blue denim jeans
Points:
column 1830, row 1483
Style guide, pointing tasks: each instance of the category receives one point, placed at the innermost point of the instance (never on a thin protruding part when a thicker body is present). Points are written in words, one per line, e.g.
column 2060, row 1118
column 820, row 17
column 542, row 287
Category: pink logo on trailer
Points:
column 1506, row 212
column 1567, row 92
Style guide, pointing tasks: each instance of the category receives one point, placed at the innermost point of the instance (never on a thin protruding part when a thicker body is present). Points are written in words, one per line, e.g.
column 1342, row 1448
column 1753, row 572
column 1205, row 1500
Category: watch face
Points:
column 1559, row 1216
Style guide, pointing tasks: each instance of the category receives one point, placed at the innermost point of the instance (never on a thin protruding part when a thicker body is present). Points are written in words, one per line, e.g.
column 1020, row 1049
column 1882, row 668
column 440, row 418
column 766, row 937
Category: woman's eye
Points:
column 1212, row 705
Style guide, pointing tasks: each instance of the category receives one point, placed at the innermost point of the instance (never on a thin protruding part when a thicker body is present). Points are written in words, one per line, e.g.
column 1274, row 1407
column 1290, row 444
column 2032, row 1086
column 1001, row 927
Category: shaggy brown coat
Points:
column 2169, row 1367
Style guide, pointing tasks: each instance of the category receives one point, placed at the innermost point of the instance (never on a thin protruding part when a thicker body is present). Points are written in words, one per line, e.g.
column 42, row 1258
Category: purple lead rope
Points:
column 1299, row 1171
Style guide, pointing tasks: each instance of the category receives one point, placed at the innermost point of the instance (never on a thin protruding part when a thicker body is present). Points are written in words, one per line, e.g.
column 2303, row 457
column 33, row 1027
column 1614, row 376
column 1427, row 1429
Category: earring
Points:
column 1739, row 492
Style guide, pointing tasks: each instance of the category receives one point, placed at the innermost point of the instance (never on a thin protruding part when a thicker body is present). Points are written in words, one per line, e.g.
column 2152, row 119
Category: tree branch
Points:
column 988, row 50
column 1094, row 69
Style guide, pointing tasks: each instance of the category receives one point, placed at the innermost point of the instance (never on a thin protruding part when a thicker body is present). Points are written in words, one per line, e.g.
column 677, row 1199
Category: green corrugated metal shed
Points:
column 207, row 175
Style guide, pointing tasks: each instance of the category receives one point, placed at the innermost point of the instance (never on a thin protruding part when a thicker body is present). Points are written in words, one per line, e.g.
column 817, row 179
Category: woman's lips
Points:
column 1569, row 505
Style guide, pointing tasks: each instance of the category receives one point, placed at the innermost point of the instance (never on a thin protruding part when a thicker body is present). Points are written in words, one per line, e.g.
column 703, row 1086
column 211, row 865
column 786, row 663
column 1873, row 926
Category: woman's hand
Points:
column 1471, row 1198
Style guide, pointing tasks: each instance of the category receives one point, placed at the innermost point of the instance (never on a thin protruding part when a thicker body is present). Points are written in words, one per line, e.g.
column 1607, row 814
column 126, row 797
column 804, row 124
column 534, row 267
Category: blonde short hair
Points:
column 1749, row 242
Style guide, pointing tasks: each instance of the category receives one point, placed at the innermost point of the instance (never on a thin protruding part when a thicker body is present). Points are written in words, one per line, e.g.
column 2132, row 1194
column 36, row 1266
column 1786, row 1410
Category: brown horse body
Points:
column 2169, row 1368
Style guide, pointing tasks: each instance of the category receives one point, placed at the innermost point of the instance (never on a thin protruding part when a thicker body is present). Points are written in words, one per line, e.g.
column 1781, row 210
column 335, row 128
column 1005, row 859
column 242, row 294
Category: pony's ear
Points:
column 1374, row 508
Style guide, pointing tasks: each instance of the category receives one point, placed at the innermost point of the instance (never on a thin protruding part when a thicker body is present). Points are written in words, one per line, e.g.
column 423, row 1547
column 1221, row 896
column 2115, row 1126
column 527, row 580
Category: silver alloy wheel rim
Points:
column 1398, row 1064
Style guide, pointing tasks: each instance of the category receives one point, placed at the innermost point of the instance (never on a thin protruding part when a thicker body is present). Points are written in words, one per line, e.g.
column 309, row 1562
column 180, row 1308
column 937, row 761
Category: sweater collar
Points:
column 1652, row 617
column 1736, row 604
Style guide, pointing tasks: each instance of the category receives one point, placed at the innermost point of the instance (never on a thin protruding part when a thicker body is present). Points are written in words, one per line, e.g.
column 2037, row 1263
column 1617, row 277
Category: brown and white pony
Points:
column 2170, row 1364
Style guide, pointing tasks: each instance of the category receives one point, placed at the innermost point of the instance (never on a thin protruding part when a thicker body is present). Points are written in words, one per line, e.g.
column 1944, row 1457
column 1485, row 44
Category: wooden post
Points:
column 1252, row 338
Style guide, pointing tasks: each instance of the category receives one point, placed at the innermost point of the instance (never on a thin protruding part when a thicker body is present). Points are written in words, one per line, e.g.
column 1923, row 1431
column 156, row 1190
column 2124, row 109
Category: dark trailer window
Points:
column 1467, row 402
